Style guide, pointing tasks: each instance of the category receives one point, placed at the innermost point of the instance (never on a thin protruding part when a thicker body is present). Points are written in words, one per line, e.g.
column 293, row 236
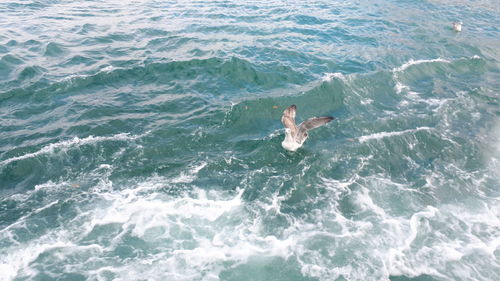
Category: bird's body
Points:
column 457, row 26
column 295, row 135
column 289, row 143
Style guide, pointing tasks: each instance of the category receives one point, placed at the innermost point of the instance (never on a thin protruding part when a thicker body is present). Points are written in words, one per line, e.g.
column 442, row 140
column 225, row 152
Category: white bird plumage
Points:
column 295, row 135
column 457, row 26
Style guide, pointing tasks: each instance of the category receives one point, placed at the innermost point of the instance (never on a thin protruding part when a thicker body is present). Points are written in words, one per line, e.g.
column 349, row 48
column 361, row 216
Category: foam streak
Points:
column 76, row 141
column 415, row 62
column 381, row 135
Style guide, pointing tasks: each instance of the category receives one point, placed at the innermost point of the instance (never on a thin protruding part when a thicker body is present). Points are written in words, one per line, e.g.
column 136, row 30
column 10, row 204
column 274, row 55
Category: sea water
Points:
column 141, row 140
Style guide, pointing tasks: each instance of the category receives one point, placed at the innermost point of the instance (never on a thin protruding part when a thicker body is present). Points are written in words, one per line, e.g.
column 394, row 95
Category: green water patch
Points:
column 261, row 116
column 231, row 76
column 422, row 75
column 62, row 160
column 8, row 64
column 265, row 268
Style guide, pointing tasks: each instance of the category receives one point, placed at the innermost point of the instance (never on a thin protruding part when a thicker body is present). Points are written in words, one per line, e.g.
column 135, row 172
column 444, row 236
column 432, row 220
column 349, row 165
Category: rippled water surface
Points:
column 141, row 140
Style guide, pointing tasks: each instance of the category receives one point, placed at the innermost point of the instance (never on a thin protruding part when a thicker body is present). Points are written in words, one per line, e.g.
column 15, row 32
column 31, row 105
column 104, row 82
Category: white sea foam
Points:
column 22, row 219
column 218, row 231
column 71, row 77
column 203, row 218
column 415, row 62
column 329, row 76
column 13, row 262
column 493, row 149
column 399, row 245
column 400, row 87
column 273, row 134
column 189, row 176
column 107, row 68
column 414, row 224
column 391, row 134
column 366, row 101
column 76, row 141
column 200, row 234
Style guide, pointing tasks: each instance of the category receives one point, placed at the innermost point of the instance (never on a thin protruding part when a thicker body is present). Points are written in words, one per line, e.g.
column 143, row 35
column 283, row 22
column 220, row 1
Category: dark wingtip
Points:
column 330, row 118
column 293, row 106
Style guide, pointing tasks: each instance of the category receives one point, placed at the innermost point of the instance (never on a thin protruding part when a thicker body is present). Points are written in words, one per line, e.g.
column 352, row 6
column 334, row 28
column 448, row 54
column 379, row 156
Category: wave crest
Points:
column 76, row 141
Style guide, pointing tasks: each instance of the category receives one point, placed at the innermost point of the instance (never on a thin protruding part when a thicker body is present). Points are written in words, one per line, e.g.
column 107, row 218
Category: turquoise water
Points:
column 141, row 140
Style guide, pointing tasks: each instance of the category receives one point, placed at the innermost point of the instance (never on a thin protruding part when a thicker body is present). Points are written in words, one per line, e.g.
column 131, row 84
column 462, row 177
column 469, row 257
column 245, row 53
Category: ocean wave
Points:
column 22, row 219
column 210, row 194
column 12, row 263
column 412, row 62
column 196, row 234
column 399, row 86
column 235, row 73
column 456, row 67
column 329, row 76
column 76, row 141
column 189, row 176
column 391, row 134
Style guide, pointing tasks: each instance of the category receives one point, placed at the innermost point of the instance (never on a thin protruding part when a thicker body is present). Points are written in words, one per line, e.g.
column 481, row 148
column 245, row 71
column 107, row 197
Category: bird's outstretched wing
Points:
column 310, row 124
column 288, row 119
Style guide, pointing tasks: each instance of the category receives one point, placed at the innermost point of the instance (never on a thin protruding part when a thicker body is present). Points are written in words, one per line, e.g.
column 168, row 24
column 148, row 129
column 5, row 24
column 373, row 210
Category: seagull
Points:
column 296, row 135
column 457, row 26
